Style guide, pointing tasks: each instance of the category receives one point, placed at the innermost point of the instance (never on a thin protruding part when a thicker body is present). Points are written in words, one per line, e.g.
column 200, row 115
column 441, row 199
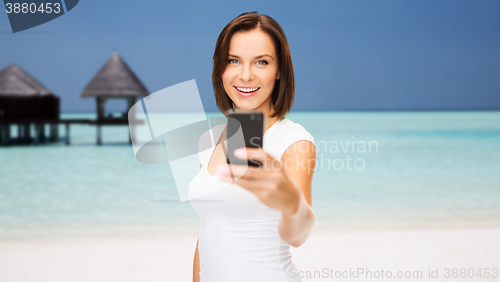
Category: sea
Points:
column 414, row 169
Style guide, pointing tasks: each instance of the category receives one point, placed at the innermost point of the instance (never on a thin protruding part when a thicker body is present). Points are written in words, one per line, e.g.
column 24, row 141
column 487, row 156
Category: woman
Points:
column 248, row 226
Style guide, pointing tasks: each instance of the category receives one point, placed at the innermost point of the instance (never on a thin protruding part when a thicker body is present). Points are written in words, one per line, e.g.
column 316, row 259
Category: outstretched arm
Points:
column 296, row 223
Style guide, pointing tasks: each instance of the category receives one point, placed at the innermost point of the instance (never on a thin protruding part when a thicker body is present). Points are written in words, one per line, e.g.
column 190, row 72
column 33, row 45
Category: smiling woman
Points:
column 249, row 224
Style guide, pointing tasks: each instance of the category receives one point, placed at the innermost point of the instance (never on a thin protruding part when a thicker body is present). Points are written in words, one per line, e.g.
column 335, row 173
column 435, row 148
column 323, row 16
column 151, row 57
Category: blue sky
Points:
column 347, row 55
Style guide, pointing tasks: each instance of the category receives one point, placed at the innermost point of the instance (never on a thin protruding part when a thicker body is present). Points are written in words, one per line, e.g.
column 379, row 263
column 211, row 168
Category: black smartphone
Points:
column 245, row 128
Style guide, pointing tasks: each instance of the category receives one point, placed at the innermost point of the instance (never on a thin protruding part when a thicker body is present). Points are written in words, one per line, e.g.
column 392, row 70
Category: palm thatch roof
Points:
column 115, row 79
column 15, row 82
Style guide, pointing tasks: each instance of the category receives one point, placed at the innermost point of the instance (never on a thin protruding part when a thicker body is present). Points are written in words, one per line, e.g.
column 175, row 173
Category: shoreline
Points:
column 176, row 230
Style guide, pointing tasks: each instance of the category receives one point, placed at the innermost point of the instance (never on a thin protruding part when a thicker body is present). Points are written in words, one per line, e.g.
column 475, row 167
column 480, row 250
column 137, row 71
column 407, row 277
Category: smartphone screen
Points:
column 244, row 129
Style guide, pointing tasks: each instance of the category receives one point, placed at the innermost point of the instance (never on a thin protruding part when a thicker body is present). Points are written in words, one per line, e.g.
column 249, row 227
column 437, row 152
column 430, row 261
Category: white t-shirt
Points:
column 239, row 239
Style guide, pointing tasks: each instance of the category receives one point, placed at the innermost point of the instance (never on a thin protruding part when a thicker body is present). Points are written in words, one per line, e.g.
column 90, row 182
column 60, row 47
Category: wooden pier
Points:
column 25, row 126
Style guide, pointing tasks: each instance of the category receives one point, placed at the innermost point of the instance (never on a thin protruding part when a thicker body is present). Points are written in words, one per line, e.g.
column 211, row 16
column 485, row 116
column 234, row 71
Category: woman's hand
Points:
column 269, row 182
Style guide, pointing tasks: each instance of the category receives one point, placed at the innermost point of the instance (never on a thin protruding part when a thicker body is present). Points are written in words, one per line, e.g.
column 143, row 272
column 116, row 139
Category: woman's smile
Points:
column 246, row 92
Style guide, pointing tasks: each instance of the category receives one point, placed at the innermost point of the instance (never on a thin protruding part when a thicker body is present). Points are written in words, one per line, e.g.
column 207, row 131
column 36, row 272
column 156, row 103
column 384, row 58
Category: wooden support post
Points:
column 100, row 107
column 26, row 131
column 37, row 133
column 67, row 133
column 41, row 132
column 19, row 132
column 2, row 134
column 7, row 133
column 54, row 132
column 99, row 140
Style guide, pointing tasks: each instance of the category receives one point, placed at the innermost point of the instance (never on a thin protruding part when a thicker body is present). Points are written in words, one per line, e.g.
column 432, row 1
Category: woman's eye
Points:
column 261, row 62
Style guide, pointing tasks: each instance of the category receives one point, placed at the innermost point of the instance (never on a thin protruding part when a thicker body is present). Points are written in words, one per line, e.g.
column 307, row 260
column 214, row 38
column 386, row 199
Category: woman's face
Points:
column 252, row 64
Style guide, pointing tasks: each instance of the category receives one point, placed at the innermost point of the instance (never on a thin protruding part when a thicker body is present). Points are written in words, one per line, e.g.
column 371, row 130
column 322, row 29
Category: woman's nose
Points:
column 246, row 73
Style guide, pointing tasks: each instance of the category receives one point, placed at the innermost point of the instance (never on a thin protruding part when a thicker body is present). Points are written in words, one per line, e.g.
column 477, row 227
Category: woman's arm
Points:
column 296, row 223
column 196, row 261
column 196, row 264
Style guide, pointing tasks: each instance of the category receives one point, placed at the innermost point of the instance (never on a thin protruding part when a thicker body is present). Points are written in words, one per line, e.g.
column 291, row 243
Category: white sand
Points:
column 400, row 250
column 169, row 258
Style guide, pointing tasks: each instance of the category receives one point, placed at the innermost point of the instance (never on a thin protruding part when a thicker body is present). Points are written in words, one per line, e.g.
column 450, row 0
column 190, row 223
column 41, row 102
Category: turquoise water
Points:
column 421, row 168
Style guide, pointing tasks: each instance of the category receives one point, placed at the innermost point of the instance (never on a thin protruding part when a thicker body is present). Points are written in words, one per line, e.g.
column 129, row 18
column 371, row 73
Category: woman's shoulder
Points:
column 291, row 129
column 288, row 133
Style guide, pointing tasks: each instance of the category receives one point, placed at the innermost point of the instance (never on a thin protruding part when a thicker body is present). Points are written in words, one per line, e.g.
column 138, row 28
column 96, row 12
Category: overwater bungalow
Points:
column 115, row 80
column 25, row 101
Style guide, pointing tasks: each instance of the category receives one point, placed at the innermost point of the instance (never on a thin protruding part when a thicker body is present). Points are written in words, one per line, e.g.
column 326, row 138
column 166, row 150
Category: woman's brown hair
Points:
column 284, row 88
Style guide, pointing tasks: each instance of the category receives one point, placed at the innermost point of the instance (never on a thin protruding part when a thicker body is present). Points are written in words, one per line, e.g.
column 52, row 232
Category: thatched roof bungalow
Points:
column 115, row 80
column 23, row 101
column 23, row 97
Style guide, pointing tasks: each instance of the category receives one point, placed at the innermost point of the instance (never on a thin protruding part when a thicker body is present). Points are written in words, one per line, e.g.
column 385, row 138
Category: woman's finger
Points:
column 246, row 171
column 255, row 154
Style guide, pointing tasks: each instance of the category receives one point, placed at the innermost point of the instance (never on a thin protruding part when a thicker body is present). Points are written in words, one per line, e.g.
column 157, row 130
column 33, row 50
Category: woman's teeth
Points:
column 247, row 90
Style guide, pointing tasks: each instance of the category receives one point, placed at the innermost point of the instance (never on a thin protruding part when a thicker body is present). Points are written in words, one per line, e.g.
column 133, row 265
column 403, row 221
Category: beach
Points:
column 325, row 256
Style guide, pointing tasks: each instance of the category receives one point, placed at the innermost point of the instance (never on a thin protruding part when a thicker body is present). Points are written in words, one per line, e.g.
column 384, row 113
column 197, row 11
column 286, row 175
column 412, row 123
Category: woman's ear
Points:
column 278, row 75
